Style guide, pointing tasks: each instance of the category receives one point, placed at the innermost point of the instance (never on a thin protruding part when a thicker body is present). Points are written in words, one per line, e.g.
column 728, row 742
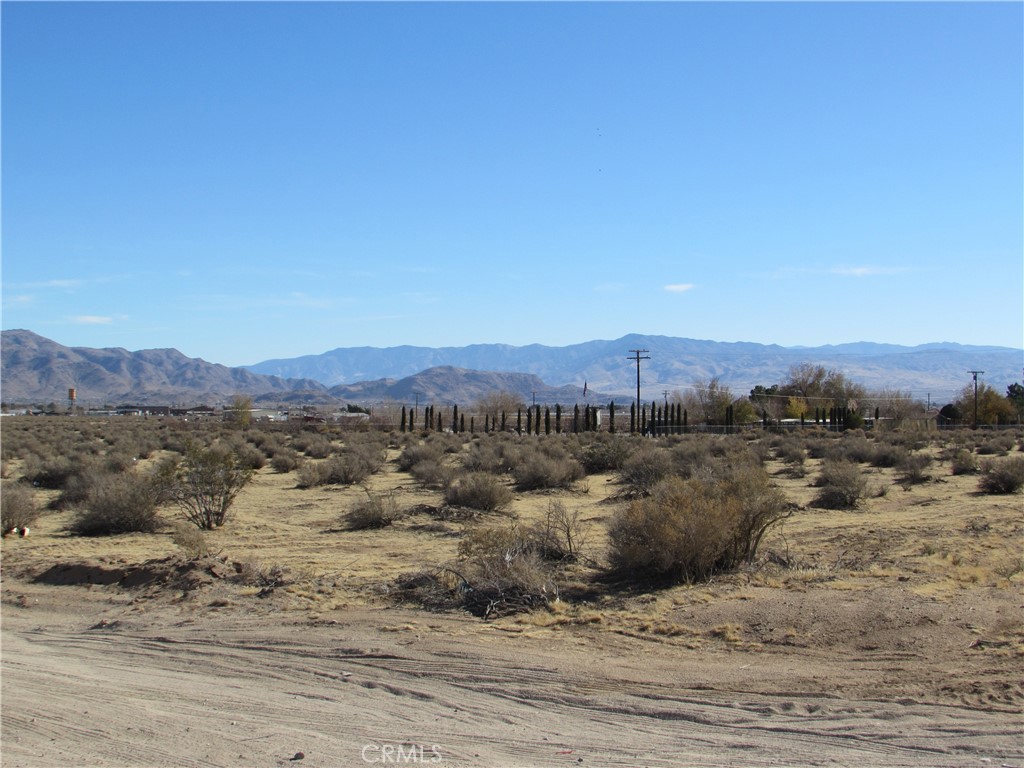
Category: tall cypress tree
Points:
column 576, row 418
column 558, row 419
column 403, row 418
column 611, row 417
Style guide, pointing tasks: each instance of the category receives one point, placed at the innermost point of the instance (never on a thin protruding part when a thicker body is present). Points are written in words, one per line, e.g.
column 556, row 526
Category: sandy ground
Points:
column 892, row 636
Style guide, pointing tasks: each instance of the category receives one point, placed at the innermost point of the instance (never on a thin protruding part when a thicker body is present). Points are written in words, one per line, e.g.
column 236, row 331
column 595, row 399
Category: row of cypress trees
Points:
column 582, row 421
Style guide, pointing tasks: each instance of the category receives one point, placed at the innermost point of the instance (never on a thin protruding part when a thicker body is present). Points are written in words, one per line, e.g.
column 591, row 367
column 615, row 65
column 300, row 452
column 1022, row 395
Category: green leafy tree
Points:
column 708, row 399
column 992, row 407
column 1015, row 394
column 240, row 410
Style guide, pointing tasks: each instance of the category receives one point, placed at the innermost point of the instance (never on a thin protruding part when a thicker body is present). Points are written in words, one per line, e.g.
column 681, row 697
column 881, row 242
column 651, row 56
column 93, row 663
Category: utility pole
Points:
column 637, row 358
column 975, row 374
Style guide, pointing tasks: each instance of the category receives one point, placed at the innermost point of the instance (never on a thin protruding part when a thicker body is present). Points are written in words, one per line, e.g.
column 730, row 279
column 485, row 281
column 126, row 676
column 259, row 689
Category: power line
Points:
column 637, row 358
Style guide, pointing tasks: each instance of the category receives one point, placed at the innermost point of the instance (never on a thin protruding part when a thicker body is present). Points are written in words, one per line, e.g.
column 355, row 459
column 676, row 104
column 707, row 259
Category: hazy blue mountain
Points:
column 35, row 369
column 674, row 363
column 459, row 385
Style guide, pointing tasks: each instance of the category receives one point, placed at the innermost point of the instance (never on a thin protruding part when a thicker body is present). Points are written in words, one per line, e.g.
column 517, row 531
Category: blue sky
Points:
column 251, row 181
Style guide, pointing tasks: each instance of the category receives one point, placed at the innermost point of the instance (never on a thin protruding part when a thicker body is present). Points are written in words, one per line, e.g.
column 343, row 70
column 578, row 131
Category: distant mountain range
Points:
column 34, row 369
column 674, row 363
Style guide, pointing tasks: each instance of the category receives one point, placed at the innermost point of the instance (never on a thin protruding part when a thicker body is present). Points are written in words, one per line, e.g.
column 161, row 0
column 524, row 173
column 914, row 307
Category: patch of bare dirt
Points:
column 887, row 635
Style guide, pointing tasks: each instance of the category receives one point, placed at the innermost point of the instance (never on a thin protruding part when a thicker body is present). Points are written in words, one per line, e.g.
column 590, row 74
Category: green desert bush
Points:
column 478, row 490
column 1002, row 476
column 842, row 485
column 17, row 507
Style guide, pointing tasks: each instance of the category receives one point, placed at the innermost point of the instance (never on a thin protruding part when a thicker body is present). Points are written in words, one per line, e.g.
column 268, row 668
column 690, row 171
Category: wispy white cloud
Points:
column 71, row 283
column 866, row 271
column 19, row 300
column 91, row 319
column 679, row 287
column 420, row 297
column 300, row 299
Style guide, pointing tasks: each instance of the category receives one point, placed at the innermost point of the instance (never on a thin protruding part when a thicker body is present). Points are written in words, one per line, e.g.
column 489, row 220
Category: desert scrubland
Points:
column 481, row 600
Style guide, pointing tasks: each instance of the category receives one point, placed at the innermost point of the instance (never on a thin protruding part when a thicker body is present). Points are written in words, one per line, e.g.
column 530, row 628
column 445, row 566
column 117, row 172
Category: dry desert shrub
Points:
column 433, row 473
column 963, row 462
column 416, row 453
column 546, row 465
column 599, row 452
column 1002, row 476
column 17, row 507
column 313, row 445
column 913, row 468
column 53, row 473
column 644, row 469
column 249, row 456
column 889, row 454
column 352, row 465
column 1000, row 445
column 791, row 452
column 478, row 490
column 842, row 485
column 691, row 455
column 497, row 455
column 207, row 483
column 190, row 540
column 119, row 503
column 503, row 572
column 378, row 510
column 687, row 530
column 560, row 535
column 285, row 460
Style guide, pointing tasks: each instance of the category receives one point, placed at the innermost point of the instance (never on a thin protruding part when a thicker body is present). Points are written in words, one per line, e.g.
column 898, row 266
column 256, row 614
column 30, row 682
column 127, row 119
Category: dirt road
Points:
column 393, row 687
